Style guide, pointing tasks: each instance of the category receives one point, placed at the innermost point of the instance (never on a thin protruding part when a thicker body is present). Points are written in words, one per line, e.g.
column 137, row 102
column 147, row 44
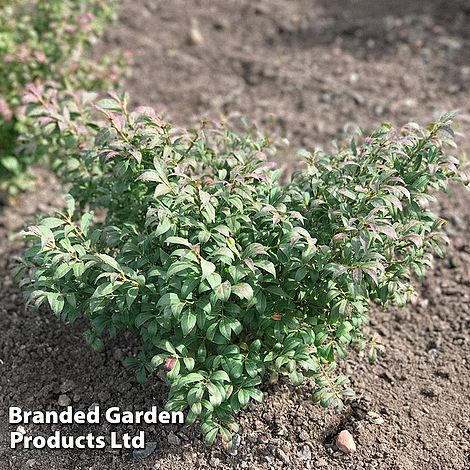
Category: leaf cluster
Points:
column 224, row 273
column 43, row 41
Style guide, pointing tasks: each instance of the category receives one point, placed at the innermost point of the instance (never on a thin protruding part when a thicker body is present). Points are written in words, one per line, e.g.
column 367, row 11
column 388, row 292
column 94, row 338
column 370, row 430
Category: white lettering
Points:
column 15, row 438
column 14, row 415
column 112, row 415
column 164, row 417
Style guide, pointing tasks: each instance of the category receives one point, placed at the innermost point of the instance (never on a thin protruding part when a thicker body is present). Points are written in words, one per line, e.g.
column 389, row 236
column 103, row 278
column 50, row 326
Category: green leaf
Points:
column 256, row 394
column 266, row 266
column 188, row 321
column 111, row 262
column 151, row 175
column 131, row 295
column 70, row 203
column 62, row 270
column 52, row 222
column 207, row 268
column 56, row 302
column 143, row 317
column 348, row 193
column 161, row 190
column 251, row 368
column 178, row 241
column 225, row 327
column 243, row 397
column 163, row 227
column 178, row 267
column 209, row 436
column 243, row 290
column 106, row 288
column 223, row 291
column 215, row 397
column 85, row 222
column 141, row 376
column 190, row 379
column 220, row 375
column 208, row 212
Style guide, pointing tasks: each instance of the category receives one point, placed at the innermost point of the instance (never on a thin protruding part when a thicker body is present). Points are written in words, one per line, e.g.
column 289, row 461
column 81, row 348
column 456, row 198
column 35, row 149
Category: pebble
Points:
column 21, row 429
column 30, row 463
column 173, row 439
column 236, row 441
column 145, row 452
column 253, row 438
column 353, row 77
column 118, row 354
column 305, row 453
column 449, row 42
column 409, row 102
column 345, row 442
column 269, row 458
column 321, row 463
column 67, row 386
column 304, row 436
column 433, row 352
column 424, row 303
column 283, row 456
column 64, row 400
column 379, row 110
column 104, row 396
column 375, row 418
column 195, row 37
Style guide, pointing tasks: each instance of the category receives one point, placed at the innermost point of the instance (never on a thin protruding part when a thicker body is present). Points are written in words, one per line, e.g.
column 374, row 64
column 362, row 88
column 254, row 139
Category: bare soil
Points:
column 304, row 70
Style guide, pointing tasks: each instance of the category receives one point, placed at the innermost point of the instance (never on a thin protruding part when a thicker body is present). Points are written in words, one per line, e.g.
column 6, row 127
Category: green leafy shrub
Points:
column 39, row 41
column 225, row 274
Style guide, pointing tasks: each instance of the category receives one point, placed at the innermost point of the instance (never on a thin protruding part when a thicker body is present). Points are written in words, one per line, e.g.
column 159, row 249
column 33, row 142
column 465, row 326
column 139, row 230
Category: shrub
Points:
column 223, row 273
column 40, row 41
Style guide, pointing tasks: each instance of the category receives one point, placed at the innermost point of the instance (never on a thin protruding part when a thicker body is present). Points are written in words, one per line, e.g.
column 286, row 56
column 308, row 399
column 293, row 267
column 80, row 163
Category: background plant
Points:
column 39, row 41
column 225, row 274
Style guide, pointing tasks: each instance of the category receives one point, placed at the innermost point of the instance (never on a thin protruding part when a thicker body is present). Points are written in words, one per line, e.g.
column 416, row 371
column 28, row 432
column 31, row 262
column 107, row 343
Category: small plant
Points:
column 226, row 275
column 41, row 41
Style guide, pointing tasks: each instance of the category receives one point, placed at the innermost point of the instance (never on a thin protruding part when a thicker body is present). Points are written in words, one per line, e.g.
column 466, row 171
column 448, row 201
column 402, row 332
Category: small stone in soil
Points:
column 305, row 453
column 283, row 456
column 268, row 458
column 64, row 400
column 145, row 452
column 236, row 440
column 173, row 439
column 21, row 429
column 67, row 386
column 321, row 463
column 375, row 418
column 93, row 406
column 30, row 463
column 345, row 442
column 195, row 37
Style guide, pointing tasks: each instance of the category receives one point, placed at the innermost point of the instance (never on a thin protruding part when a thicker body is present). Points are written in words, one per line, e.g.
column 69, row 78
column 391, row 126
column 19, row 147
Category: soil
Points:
column 304, row 70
